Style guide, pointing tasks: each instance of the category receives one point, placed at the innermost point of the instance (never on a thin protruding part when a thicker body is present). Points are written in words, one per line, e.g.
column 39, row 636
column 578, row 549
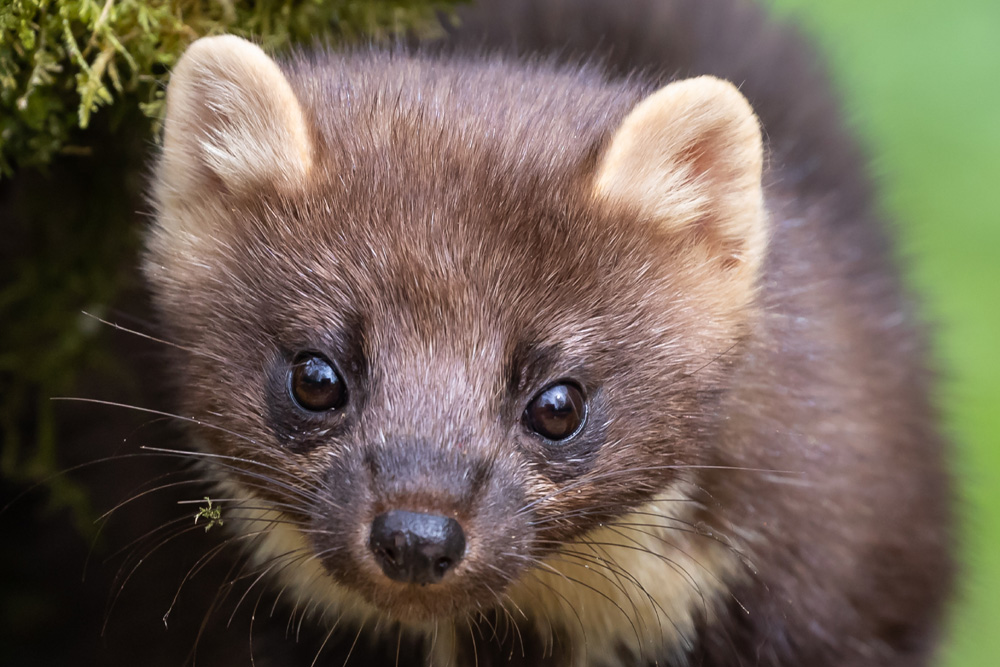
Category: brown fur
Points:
column 759, row 480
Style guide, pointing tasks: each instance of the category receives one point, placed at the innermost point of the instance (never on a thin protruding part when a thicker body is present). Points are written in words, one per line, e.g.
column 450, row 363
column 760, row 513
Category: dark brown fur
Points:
column 447, row 253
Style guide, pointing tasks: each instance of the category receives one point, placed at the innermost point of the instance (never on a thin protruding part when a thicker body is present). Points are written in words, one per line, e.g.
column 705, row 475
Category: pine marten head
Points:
column 440, row 321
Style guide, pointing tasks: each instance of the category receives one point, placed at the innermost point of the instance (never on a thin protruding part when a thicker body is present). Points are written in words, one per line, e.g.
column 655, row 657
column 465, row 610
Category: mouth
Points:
column 416, row 604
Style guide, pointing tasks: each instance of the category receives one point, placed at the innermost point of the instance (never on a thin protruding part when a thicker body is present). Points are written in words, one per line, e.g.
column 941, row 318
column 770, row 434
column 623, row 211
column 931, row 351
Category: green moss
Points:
column 62, row 61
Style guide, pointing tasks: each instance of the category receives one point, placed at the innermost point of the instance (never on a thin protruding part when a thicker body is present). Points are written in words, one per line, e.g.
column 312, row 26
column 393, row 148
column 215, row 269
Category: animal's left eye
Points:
column 315, row 385
column 557, row 412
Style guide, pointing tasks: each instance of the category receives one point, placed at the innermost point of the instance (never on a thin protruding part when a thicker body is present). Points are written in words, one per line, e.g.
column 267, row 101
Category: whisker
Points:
column 513, row 622
column 535, row 561
column 124, row 581
column 222, row 460
column 140, row 334
column 274, row 562
column 608, row 562
column 253, row 620
column 472, row 638
column 583, row 512
column 203, row 561
column 152, row 411
column 113, row 458
column 142, row 494
column 217, row 600
column 624, row 473
column 170, row 524
column 351, row 650
column 611, row 564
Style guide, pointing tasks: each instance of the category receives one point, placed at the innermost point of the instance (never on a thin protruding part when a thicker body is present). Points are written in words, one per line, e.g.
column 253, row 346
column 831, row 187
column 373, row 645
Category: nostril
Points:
column 386, row 554
column 442, row 565
column 413, row 547
column 396, row 548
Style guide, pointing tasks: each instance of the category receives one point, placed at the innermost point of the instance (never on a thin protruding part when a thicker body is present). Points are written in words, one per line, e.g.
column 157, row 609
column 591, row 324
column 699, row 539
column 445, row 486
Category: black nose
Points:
column 416, row 548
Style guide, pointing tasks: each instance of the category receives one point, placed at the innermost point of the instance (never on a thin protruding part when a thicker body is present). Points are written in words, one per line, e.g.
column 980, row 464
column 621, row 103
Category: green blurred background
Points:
column 921, row 82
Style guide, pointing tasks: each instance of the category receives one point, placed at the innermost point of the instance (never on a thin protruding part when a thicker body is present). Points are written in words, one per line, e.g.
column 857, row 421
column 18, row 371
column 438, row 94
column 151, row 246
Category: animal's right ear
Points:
column 232, row 121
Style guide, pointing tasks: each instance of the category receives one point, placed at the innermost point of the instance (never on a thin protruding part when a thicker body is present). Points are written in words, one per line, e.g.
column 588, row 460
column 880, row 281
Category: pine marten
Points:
column 571, row 338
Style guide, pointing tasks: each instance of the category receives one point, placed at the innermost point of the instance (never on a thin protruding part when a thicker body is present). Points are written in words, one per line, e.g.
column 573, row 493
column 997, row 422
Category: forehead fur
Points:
column 424, row 109
column 455, row 172
column 448, row 217
column 426, row 174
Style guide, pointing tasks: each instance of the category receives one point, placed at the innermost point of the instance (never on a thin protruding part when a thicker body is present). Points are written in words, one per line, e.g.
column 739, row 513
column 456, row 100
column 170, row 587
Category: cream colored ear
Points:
column 690, row 157
column 232, row 114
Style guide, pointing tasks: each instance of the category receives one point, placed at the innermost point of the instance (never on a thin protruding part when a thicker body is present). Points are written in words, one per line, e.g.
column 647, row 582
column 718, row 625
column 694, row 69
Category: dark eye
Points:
column 557, row 412
column 315, row 385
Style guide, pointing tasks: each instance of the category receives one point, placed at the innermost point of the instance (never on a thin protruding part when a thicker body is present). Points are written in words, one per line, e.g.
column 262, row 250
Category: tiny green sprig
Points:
column 212, row 513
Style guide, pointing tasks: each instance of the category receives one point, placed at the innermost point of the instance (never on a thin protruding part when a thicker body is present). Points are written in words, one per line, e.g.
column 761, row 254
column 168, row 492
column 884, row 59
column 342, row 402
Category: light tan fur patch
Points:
column 232, row 113
column 691, row 155
column 638, row 582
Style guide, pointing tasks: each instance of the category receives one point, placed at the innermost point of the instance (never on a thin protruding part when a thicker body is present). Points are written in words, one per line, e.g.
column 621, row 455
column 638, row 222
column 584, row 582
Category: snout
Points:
column 423, row 531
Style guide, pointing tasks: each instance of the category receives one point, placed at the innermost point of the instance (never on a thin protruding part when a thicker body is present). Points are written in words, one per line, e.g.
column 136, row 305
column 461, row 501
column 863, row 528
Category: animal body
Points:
column 570, row 339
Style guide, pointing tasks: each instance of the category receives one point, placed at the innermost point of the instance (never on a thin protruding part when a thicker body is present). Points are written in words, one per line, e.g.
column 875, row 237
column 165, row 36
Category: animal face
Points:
column 434, row 353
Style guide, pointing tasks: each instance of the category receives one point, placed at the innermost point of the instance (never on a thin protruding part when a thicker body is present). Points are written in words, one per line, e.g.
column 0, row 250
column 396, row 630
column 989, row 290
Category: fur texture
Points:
column 759, row 478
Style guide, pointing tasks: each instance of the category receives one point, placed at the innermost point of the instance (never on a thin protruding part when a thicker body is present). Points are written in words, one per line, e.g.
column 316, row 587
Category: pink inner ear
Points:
column 706, row 155
column 716, row 173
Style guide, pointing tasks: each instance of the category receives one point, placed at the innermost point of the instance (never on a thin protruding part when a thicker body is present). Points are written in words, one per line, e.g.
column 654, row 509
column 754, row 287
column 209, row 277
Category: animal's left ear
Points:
column 689, row 157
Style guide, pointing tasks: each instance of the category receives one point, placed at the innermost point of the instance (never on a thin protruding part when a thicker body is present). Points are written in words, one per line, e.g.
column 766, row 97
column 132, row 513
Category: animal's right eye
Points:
column 315, row 384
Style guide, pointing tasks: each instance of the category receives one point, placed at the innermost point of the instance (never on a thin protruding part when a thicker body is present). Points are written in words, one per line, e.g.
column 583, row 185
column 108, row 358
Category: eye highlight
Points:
column 557, row 412
column 315, row 385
